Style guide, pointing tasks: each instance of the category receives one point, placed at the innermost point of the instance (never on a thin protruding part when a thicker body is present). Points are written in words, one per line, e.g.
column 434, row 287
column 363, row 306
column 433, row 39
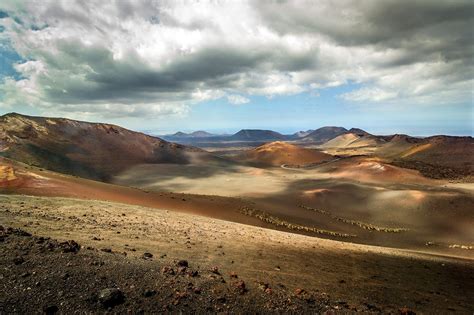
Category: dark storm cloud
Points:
column 130, row 78
column 370, row 22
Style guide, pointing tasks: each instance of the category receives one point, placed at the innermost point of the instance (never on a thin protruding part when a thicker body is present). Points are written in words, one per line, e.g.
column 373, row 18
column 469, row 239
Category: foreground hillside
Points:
column 91, row 150
column 280, row 272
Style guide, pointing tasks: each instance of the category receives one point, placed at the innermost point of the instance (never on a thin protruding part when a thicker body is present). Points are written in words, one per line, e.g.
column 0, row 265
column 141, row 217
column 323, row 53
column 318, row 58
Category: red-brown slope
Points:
column 18, row 178
column 438, row 156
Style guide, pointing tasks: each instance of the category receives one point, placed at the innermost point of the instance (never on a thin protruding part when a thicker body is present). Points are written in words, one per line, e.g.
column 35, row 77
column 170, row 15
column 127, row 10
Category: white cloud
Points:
column 369, row 94
column 237, row 99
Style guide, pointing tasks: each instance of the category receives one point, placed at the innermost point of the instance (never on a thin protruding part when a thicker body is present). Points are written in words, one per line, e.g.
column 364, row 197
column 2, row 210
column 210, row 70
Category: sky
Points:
column 221, row 66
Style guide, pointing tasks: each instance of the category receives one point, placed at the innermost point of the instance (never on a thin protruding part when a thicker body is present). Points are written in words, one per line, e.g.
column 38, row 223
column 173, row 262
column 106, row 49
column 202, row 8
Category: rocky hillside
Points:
column 91, row 150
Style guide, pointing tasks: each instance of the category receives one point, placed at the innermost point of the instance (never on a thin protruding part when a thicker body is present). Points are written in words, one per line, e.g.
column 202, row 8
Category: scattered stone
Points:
column 149, row 293
column 406, row 311
column 182, row 263
column 233, row 275
column 18, row 260
column 147, row 255
column 69, row 246
column 111, row 297
column 181, row 270
column 263, row 286
column 240, row 287
column 299, row 291
column 167, row 270
column 372, row 307
column 221, row 299
column 193, row 273
column 106, row 250
column 50, row 309
column 215, row 270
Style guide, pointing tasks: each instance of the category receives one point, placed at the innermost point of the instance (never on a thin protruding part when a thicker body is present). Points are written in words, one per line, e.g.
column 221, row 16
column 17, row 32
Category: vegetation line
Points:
column 366, row 226
column 265, row 217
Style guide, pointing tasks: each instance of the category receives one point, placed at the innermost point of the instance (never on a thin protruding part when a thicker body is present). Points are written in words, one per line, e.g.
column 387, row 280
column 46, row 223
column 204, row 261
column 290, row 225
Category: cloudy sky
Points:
column 386, row 66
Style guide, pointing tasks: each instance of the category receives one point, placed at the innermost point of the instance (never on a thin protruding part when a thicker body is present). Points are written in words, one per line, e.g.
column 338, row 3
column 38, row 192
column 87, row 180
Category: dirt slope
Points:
column 304, row 274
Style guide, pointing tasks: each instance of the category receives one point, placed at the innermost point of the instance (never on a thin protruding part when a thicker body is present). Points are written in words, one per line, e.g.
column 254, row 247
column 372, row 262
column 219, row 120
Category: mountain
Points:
column 90, row 150
column 195, row 134
column 179, row 134
column 201, row 134
column 256, row 135
column 324, row 134
column 279, row 152
column 302, row 133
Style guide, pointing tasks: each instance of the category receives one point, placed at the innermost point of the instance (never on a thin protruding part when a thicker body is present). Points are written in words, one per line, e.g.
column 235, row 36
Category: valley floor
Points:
column 302, row 273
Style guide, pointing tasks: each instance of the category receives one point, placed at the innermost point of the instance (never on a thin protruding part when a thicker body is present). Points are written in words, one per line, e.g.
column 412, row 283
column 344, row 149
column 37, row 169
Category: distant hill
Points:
column 301, row 134
column 324, row 134
column 256, row 135
column 195, row 134
column 91, row 150
column 279, row 152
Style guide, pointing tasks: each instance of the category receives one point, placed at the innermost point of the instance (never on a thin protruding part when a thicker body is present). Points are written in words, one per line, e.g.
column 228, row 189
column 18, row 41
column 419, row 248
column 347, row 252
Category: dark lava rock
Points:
column 50, row 309
column 149, row 293
column 70, row 246
column 167, row 270
column 240, row 287
column 182, row 263
column 110, row 297
column 147, row 255
column 18, row 260
column 406, row 311
column 193, row 273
